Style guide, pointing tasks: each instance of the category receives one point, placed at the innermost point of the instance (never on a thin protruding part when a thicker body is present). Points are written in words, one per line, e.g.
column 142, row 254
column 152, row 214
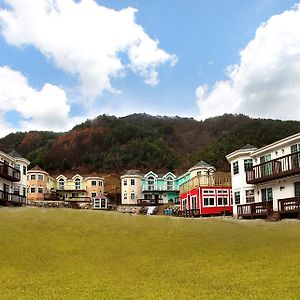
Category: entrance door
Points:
column 297, row 189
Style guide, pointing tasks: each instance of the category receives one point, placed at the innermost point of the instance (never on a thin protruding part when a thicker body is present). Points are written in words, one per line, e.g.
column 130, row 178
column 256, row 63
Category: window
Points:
column 100, row 183
column 17, row 167
column 222, row 201
column 94, row 194
column 132, row 181
column 17, row 190
column 40, row 190
column 267, row 194
column 32, row 176
column 193, row 202
column 61, row 183
column 32, row 190
column 125, row 196
column 24, row 191
column 295, row 157
column 237, row 198
column 184, row 204
column 77, row 184
column 24, row 170
column 132, row 196
column 169, row 184
column 40, row 177
column 208, row 191
column 94, row 182
column 297, row 189
column 250, row 196
column 125, row 181
column 266, row 167
column 151, row 183
column 248, row 164
column 208, row 201
column 235, row 167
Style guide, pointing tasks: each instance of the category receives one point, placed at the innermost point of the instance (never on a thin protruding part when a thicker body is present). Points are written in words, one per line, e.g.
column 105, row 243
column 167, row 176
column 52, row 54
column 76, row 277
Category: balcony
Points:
column 290, row 206
column 218, row 180
column 255, row 210
column 160, row 188
column 71, row 187
column 9, row 173
column 274, row 169
column 12, row 198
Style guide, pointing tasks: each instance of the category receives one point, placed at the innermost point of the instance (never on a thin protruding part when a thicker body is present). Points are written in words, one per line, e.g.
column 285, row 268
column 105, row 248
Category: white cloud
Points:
column 84, row 39
column 47, row 109
column 266, row 82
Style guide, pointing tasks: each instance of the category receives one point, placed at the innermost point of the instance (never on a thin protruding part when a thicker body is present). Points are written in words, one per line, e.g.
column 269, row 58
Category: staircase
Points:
column 273, row 217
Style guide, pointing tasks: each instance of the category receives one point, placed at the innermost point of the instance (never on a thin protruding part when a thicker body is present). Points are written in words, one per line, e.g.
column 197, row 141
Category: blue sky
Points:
column 194, row 58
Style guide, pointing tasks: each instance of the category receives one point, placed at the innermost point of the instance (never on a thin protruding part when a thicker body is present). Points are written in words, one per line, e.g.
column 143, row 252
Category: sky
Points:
column 65, row 61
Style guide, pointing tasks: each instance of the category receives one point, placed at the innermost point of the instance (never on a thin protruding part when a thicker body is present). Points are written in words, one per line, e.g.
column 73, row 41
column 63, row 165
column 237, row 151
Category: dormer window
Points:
column 77, row 184
column 150, row 183
column 169, row 184
column 61, row 183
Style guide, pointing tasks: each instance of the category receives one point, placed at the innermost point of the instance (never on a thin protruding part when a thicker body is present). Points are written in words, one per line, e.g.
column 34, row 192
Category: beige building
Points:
column 41, row 186
column 131, row 187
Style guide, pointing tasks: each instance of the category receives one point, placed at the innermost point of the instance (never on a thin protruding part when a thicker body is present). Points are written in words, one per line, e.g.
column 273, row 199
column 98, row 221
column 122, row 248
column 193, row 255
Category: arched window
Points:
column 169, row 184
column 61, row 184
column 150, row 183
column 77, row 184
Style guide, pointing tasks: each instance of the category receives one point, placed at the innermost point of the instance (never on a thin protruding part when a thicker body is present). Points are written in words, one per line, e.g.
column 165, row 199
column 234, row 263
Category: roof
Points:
column 132, row 172
column 15, row 154
column 202, row 164
column 37, row 168
column 247, row 146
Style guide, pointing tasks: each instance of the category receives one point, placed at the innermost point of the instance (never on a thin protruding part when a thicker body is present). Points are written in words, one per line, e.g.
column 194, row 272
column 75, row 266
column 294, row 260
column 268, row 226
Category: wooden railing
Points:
column 289, row 205
column 255, row 209
column 158, row 187
column 222, row 179
column 189, row 213
column 147, row 202
column 12, row 198
column 71, row 187
column 274, row 169
column 9, row 172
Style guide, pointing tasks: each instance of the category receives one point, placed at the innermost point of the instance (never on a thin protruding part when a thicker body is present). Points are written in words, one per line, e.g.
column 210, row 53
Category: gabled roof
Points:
column 151, row 173
column 169, row 174
column 15, row 154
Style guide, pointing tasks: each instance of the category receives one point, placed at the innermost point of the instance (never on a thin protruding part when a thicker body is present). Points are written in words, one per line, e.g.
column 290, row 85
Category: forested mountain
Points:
column 146, row 142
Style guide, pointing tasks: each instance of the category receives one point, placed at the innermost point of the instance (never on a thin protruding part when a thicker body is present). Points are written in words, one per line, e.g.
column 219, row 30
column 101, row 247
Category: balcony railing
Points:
column 274, row 169
column 9, row 172
column 218, row 180
column 12, row 198
column 71, row 187
column 255, row 209
column 158, row 187
column 149, row 201
column 289, row 206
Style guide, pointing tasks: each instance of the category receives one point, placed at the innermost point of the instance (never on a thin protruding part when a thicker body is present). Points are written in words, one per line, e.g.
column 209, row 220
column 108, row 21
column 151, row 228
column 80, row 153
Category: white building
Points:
column 266, row 180
column 13, row 178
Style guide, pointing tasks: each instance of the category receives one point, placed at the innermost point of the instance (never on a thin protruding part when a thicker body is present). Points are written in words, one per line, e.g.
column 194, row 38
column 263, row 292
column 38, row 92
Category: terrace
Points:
column 12, row 198
column 71, row 187
column 289, row 206
column 221, row 180
column 9, row 173
column 255, row 210
column 274, row 169
column 159, row 187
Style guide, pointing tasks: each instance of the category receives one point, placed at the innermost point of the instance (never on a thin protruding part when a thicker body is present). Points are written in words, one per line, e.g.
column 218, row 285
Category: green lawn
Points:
column 81, row 254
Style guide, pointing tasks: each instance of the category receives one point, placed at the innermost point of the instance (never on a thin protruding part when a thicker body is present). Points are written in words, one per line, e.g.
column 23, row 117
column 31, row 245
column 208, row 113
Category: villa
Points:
column 203, row 191
column 266, row 181
column 13, row 172
column 75, row 189
column 150, row 188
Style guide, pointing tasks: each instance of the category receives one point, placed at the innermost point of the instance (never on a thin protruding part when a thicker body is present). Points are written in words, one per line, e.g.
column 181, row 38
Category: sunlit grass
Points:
column 80, row 254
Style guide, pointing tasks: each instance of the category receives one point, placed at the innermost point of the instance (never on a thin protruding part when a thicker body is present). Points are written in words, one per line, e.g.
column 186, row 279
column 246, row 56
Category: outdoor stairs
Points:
column 273, row 217
column 161, row 208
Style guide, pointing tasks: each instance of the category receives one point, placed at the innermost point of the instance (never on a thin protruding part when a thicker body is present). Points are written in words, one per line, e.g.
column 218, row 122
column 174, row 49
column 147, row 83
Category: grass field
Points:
column 79, row 254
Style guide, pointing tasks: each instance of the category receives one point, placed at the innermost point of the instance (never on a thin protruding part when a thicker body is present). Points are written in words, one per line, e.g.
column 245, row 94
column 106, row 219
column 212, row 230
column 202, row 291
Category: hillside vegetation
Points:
column 146, row 142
